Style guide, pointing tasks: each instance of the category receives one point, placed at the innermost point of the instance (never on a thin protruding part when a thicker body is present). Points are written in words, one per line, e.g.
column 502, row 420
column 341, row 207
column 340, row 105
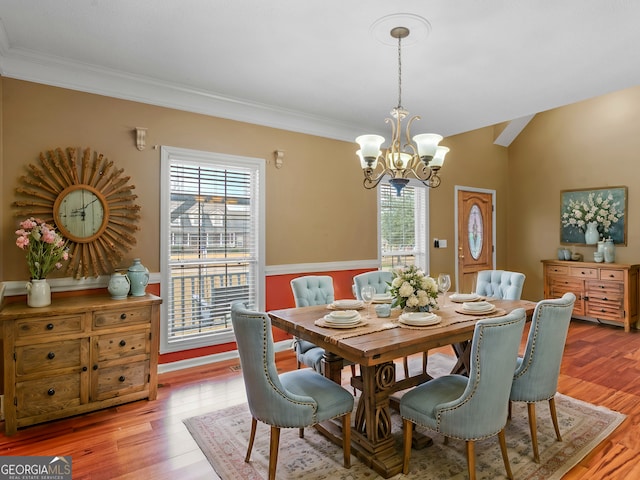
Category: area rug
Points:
column 223, row 436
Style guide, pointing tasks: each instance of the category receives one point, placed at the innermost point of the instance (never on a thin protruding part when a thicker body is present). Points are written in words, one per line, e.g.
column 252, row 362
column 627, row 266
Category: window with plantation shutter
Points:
column 212, row 215
column 404, row 226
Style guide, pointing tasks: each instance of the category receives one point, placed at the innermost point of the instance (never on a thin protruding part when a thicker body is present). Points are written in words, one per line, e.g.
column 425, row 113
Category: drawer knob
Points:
column 121, row 378
column 123, row 316
column 51, row 355
column 51, row 392
column 122, row 343
column 95, row 367
column 84, row 369
column 50, row 326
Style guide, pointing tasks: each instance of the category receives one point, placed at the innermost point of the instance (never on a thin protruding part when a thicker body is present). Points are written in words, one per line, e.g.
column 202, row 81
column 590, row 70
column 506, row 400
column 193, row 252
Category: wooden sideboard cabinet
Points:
column 604, row 291
column 78, row 355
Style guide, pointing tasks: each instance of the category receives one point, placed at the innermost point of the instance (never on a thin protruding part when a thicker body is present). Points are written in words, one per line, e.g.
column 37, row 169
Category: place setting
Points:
column 347, row 304
column 341, row 319
column 419, row 319
column 477, row 308
column 465, row 297
column 382, row 298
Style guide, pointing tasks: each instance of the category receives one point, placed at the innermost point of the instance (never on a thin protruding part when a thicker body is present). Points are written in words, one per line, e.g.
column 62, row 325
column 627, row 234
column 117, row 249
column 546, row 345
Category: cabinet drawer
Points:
column 47, row 395
column 606, row 310
column 121, row 317
column 605, row 290
column 120, row 380
column 563, row 285
column 557, row 270
column 119, row 345
column 583, row 272
column 609, row 274
column 30, row 327
column 47, row 357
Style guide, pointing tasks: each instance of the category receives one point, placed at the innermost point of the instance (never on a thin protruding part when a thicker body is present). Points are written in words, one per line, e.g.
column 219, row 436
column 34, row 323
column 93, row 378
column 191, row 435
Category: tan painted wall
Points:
column 317, row 210
column 594, row 143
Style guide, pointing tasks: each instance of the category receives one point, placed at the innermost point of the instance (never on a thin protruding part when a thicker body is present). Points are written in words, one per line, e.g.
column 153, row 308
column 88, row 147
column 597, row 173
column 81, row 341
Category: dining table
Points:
column 374, row 344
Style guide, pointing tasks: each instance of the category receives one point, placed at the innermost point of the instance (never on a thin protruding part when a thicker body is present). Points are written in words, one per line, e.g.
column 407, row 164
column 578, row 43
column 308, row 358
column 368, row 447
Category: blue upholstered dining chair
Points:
column 307, row 291
column 536, row 376
column 500, row 284
column 380, row 279
column 470, row 408
column 295, row 399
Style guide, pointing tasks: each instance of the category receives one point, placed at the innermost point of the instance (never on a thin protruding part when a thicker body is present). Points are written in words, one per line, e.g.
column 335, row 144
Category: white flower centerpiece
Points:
column 598, row 209
column 413, row 290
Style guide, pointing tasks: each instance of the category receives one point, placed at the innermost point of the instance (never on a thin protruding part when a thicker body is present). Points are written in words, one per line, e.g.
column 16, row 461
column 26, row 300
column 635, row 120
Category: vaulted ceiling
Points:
column 322, row 66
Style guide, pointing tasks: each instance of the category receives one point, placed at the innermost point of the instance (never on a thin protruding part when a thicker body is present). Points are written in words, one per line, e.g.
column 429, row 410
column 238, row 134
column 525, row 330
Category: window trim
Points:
column 167, row 155
column 425, row 232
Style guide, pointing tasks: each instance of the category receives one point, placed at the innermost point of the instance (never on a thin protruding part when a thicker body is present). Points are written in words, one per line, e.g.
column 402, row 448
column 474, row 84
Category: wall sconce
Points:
column 278, row 156
column 141, row 138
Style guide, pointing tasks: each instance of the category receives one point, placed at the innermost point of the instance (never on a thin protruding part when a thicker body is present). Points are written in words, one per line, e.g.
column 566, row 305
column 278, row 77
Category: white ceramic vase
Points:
column 38, row 293
column 591, row 235
column 119, row 286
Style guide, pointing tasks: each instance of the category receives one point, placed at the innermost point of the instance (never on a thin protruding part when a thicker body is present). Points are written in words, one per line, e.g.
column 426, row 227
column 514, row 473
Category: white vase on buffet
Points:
column 591, row 235
column 38, row 293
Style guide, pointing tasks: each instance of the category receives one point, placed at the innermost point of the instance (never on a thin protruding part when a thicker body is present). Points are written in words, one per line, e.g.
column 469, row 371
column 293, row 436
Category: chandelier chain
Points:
column 399, row 72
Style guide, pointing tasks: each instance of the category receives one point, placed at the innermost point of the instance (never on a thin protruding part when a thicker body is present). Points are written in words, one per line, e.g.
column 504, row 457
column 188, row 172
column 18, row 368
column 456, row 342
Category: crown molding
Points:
column 27, row 65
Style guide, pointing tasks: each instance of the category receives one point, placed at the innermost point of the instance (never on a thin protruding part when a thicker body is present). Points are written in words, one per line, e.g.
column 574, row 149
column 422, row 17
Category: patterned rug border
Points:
column 222, row 435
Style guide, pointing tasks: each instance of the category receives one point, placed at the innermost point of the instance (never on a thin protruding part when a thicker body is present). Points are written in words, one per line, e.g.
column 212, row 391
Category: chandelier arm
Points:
column 424, row 173
column 408, row 131
column 370, row 181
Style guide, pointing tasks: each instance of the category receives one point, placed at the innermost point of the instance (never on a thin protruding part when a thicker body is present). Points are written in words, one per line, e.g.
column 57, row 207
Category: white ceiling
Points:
column 314, row 66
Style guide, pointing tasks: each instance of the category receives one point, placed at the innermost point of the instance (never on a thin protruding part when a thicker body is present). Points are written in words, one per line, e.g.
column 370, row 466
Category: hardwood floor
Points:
column 145, row 439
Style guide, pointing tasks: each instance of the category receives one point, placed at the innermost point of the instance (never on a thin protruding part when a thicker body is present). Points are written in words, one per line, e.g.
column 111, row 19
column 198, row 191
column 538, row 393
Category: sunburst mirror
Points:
column 89, row 201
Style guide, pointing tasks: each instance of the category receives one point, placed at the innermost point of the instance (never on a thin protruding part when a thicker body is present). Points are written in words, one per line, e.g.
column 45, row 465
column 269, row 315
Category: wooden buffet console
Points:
column 604, row 291
column 77, row 355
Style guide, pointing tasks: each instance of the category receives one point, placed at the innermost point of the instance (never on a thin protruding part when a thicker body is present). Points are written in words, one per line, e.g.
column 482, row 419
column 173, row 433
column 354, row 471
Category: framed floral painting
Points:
column 606, row 207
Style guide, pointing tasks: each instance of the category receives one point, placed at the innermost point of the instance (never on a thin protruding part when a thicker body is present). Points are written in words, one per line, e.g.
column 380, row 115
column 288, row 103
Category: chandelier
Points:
column 420, row 159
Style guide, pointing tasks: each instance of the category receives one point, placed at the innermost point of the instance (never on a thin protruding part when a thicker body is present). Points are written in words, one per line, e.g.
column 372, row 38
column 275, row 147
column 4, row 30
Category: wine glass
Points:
column 367, row 293
column 444, row 284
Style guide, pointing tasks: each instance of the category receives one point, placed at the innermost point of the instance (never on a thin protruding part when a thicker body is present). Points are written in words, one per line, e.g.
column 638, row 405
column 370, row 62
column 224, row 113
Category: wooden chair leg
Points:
column 405, row 363
column 273, row 451
column 510, row 405
column 531, row 409
column 425, row 358
column 505, row 457
column 471, row 459
column 407, row 427
column 301, row 432
column 346, row 439
column 554, row 417
column 353, row 374
column 254, row 424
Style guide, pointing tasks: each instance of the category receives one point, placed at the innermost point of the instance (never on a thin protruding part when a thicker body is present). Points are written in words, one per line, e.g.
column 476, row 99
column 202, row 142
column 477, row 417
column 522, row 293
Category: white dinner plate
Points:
column 342, row 321
column 419, row 320
column 382, row 298
column 477, row 306
column 464, row 297
column 476, row 311
column 347, row 304
column 343, row 315
column 326, row 322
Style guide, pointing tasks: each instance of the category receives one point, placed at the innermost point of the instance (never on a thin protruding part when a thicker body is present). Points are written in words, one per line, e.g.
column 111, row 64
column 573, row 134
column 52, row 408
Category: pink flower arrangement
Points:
column 45, row 248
